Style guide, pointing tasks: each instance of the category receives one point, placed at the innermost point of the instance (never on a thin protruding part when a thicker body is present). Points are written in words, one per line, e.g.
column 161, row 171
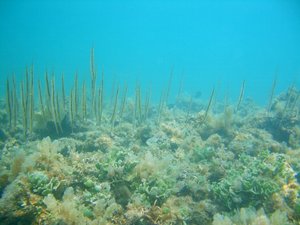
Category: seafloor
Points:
column 192, row 162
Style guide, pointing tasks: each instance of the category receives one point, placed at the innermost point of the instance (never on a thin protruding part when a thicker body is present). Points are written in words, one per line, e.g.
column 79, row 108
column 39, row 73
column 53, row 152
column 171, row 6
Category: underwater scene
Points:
column 149, row 112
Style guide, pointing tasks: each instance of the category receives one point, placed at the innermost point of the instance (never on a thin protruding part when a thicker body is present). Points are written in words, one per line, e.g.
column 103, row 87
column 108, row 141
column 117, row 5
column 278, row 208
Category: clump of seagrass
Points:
column 123, row 103
column 164, row 98
column 27, row 100
column 138, row 105
column 114, row 112
column 53, row 119
column 272, row 95
column 241, row 96
column 93, row 83
column 100, row 100
column 209, row 105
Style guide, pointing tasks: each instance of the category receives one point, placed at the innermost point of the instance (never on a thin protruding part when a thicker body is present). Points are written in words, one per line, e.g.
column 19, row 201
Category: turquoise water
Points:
column 209, row 43
column 142, row 112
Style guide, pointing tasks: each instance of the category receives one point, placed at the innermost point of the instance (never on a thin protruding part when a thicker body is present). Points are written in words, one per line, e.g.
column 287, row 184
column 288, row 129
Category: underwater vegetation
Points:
column 83, row 157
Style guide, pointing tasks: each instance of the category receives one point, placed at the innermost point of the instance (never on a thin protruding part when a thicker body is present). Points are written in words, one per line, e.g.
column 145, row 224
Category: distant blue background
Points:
column 208, row 43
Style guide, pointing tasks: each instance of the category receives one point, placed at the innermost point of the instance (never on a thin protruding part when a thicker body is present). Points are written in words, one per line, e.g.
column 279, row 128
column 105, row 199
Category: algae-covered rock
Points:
column 223, row 166
column 39, row 182
column 16, row 206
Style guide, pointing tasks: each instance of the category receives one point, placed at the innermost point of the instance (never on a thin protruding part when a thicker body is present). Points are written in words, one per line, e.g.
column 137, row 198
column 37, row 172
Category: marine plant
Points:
column 252, row 181
column 242, row 92
column 251, row 216
column 40, row 183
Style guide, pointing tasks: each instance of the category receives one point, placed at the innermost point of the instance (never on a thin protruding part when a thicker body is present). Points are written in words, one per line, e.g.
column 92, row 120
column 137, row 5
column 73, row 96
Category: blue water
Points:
column 207, row 43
